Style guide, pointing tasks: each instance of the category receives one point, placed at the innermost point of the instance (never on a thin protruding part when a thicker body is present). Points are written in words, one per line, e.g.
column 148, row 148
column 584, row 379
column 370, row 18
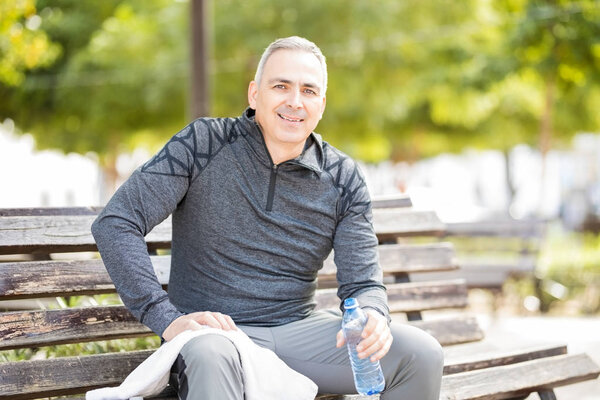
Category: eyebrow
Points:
column 289, row 82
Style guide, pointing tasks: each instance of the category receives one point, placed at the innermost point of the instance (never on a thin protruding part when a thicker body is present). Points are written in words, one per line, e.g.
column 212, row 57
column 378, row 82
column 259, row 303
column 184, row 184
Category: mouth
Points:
column 289, row 118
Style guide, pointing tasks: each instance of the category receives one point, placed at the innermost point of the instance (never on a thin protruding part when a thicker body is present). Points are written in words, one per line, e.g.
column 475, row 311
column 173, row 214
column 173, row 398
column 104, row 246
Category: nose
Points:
column 293, row 99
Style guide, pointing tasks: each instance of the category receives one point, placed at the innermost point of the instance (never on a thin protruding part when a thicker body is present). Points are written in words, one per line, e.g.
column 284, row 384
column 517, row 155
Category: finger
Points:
column 208, row 319
column 374, row 345
column 370, row 326
column 373, row 336
column 193, row 325
column 222, row 321
column 340, row 339
column 230, row 323
column 381, row 353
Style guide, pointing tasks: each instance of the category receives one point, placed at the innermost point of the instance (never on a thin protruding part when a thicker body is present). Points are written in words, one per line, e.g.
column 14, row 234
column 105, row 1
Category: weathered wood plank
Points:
column 392, row 223
column 38, row 211
column 43, row 328
column 449, row 331
column 408, row 258
column 27, row 379
column 66, row 375
column 486, row 354
column 498, row 227
column 382, row 201
column 519, row 379
column 391, row 201
column 483, row 273
column 47, row 234
column 34, row 279
column 406, row 297
column 346, row 397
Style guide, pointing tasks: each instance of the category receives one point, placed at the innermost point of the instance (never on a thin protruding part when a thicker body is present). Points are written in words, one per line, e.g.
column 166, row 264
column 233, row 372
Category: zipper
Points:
column 272, row 181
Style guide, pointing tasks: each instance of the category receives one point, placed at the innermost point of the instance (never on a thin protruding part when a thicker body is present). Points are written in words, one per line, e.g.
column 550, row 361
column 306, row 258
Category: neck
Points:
column 281, row 152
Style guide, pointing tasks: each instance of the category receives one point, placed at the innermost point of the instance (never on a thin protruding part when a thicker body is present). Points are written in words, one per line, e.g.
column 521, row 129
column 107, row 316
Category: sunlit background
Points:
column 480, row 110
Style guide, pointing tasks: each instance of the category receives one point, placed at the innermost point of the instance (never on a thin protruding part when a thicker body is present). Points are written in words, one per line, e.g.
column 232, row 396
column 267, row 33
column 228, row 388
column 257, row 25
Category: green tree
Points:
column 407, row 79
column 23, row 46
column 119, row 81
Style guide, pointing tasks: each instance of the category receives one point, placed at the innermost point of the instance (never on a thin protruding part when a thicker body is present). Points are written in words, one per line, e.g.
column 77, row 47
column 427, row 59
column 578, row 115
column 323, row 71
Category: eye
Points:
column 279, row 86
column 309, row 91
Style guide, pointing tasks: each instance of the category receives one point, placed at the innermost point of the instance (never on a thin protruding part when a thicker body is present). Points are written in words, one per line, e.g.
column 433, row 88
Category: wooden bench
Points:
column 493, row 251
column 474, row 368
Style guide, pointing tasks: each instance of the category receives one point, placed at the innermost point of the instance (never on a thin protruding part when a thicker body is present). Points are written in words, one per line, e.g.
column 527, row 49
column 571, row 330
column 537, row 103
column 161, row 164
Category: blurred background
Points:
column 484, row 111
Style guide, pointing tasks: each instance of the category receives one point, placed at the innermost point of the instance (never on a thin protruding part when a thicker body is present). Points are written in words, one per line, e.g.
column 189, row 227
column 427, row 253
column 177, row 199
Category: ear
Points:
column 323, row 107
column 252, row 93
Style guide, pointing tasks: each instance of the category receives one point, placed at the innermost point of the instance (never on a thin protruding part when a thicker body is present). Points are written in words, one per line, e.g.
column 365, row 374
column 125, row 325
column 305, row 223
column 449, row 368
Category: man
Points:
column 258, row 203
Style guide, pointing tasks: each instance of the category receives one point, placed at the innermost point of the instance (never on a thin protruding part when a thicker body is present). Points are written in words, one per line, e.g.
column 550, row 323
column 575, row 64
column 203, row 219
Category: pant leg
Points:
column 412, row 368
column 209, row 368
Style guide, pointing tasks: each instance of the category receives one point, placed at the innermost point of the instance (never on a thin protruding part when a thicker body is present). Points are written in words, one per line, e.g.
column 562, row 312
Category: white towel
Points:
column 266, row 377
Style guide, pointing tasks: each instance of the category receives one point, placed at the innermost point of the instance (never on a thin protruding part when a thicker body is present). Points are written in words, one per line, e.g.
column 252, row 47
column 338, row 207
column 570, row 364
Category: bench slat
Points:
column 496, row 228
column 486, row 354
column 110, row 369
column 68, row 233
column 406, row 297
column 391, row 201
column 39, row 211
column 481, row 274
column 392, row 223
column 66, row 375
column 48, row 234
column 43, row 328
column 515, row 380
column 448, row 331
column 408, row 258
column 34, row 279
column 383, row 201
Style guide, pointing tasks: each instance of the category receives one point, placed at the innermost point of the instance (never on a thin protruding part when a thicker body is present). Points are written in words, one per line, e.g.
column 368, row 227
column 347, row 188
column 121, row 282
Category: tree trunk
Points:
column 546, row 136
column 200, row 61
column 110, row 174
column 509, row 182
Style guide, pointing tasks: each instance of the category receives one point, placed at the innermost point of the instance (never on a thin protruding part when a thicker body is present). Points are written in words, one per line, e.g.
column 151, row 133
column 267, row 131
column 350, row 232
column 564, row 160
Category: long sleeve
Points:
column 355, row 248
column 148, row 197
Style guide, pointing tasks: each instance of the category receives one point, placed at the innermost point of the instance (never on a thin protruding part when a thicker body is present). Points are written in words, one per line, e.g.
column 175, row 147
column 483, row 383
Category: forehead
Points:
column 293, row 65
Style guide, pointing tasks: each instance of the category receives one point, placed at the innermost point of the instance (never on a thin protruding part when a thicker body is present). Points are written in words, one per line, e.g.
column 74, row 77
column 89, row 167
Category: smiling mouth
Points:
column 291, row 119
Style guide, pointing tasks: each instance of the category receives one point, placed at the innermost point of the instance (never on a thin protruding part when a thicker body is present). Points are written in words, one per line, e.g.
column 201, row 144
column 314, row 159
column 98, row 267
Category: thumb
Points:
column 340, row 339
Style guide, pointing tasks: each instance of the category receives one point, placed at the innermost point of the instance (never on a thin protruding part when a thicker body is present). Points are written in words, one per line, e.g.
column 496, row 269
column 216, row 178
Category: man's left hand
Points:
column 376, row 335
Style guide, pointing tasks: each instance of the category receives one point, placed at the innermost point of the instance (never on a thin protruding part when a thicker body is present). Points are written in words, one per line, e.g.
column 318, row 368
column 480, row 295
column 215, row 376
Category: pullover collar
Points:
column 310, row 158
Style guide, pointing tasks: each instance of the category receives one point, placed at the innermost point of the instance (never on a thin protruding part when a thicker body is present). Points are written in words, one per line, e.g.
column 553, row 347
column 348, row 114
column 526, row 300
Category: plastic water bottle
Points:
column 368, row 377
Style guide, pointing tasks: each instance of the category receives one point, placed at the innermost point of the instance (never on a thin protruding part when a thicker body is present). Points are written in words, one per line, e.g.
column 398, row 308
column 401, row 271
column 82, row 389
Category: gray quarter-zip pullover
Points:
column 248, row 236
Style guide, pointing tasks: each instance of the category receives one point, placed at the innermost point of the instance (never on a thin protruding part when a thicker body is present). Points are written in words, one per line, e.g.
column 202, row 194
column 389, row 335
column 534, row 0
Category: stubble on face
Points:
column 288, row 101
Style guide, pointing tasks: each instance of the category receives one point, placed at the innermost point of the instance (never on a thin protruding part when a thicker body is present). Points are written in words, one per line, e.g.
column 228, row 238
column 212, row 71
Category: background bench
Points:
column 492, row 251
column 474, row 368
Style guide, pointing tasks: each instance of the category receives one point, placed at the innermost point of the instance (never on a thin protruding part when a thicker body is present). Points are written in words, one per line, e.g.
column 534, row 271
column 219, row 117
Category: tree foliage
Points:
column 23, row 46
column 407, row 78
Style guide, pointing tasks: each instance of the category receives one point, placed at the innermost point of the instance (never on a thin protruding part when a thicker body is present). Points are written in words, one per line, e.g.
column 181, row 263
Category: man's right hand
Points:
column 194, row 322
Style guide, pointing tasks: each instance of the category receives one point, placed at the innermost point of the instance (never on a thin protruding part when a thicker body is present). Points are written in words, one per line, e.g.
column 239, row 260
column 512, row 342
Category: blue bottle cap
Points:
column 350, row 302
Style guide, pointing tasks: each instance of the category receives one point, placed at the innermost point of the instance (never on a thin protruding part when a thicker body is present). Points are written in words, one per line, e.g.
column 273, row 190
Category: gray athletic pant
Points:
column 208, row 367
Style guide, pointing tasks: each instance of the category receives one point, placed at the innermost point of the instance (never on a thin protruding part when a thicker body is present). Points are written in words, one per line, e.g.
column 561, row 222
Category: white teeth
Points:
column 290, row 119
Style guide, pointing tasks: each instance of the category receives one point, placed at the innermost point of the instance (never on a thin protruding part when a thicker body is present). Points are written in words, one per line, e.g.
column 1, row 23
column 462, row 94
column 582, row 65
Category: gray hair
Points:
column 292, row 43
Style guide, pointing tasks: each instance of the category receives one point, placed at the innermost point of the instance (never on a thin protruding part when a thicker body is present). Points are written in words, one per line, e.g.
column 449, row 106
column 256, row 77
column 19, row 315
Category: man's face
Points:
column 289, row 101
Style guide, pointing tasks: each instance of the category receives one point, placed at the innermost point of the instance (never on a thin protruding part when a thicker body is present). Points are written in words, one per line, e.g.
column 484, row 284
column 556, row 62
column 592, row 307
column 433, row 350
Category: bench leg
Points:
column 547, row 394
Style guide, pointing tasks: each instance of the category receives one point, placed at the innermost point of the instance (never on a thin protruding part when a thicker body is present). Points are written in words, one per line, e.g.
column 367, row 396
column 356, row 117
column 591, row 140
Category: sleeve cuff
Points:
column 160, row 316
